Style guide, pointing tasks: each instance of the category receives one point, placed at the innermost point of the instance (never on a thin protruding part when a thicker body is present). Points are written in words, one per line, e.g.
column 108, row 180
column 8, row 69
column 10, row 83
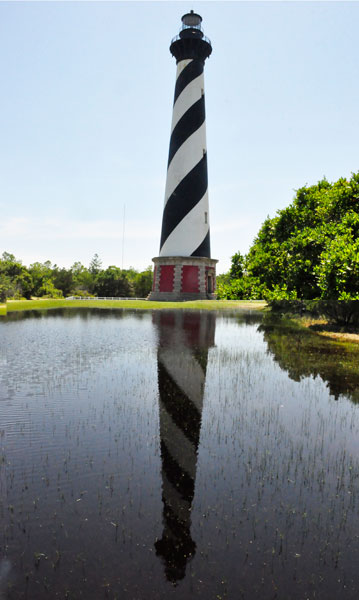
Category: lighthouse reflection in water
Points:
column 184, row 341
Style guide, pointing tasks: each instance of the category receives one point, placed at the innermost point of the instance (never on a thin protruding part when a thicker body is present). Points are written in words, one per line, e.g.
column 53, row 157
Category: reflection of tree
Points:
column 184, row 339
column 85, row 314
column 302, row 353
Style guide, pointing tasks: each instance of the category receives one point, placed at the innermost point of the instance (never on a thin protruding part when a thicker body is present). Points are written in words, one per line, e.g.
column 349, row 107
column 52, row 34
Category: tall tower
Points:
column 184, row 269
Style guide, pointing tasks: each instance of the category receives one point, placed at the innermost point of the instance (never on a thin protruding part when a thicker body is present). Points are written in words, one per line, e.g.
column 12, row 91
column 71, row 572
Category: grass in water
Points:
column 16, row 305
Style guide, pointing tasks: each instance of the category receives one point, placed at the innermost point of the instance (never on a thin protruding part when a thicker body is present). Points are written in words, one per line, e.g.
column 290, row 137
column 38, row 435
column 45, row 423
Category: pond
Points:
column 175, row 454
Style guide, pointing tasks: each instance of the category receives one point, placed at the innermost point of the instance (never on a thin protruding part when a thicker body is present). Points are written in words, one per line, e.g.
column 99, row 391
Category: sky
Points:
column 85, row 114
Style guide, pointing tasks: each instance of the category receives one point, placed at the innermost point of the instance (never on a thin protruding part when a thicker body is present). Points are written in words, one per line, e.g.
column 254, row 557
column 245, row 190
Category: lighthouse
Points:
column 184, row 269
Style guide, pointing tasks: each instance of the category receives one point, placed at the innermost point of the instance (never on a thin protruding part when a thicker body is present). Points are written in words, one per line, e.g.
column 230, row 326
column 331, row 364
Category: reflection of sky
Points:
column 45, row 353
column 69, row 379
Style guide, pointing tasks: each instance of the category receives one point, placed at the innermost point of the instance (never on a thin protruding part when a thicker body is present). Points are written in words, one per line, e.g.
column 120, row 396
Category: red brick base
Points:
column 180, row 278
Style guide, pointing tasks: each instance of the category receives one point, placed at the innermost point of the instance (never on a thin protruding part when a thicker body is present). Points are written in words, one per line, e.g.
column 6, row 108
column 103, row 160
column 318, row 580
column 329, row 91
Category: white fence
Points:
column 101, row 298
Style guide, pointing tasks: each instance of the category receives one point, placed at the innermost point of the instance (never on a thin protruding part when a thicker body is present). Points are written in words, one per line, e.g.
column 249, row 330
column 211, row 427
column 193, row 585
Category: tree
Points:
column 237, row 266
column 95, row 265
column 113, row 282
column 143, row 283
column 338, row 269
column 83, row 280
column 5, row 287
column 310, row 249
column 23, row 284
column 15, row 279
column 40, row 273
column 63, row 280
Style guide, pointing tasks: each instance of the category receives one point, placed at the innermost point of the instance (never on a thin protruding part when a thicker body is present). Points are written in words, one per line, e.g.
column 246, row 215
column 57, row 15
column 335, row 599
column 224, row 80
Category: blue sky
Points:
column 87, row 90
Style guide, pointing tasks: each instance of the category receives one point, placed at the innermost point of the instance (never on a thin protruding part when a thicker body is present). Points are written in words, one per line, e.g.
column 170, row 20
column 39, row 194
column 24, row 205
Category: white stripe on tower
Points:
column 191, row 94
column 185, row 225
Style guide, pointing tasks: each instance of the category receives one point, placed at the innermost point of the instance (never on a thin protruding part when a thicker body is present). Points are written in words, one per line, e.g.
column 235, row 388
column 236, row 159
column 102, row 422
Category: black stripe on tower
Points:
column 204, row 249
column 193, row 118
column 193, row 70
column 184, row 198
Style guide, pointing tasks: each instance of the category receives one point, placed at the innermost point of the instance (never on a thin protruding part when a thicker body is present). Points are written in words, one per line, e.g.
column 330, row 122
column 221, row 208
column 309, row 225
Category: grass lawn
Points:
column 16, row 305
column 2, row 309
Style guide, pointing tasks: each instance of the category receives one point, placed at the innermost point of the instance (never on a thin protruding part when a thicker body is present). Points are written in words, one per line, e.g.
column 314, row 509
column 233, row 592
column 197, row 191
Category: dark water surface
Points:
column 176, row 454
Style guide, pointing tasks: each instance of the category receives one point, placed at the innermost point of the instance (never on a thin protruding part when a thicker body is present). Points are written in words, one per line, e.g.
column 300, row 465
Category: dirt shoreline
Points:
column 326, row 329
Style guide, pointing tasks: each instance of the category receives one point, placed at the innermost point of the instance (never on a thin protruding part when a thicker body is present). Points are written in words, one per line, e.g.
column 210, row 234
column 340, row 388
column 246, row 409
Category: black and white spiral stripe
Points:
column 181, row 379
column 185, row 225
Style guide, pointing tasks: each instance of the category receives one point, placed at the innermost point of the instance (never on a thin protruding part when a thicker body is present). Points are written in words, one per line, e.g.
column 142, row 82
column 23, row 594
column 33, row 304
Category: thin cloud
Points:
column 29, row 228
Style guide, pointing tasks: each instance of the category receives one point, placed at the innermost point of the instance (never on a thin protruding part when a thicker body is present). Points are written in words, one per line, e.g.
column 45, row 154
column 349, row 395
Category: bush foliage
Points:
column 309, row 250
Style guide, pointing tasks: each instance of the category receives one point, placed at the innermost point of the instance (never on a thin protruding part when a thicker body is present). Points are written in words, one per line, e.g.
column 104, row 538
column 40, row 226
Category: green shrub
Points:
column 83, row 293
column 48, row 290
